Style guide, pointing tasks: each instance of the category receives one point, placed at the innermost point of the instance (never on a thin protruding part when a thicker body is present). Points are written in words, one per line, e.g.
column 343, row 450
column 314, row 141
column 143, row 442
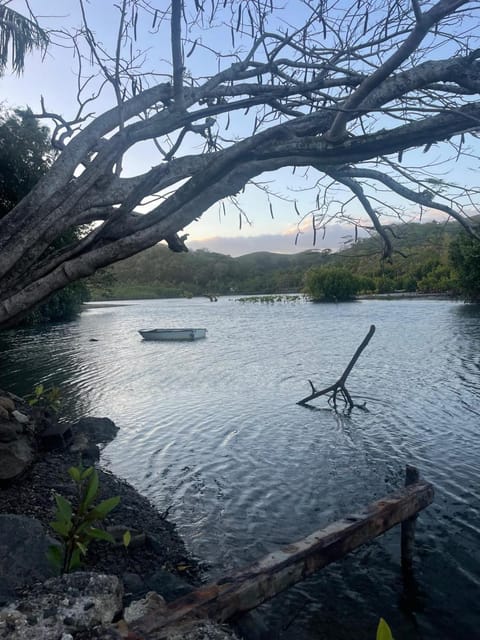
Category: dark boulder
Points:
column 23, row 548
column 97, row 430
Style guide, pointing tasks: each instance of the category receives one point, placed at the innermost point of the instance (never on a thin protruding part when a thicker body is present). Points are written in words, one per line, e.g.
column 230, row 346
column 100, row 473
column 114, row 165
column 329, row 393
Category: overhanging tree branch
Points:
column 356, row 188
column 424, row 198
column 329, row 94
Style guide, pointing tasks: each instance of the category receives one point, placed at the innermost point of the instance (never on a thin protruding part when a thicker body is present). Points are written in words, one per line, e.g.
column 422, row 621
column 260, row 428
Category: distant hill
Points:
column 420, row 262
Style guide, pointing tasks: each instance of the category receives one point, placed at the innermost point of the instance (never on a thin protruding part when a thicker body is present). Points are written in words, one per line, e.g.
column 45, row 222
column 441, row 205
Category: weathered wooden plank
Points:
column 282, row 569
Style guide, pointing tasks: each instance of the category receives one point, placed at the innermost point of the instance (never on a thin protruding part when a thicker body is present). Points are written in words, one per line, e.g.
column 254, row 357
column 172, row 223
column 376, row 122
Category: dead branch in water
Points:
column 339, row 386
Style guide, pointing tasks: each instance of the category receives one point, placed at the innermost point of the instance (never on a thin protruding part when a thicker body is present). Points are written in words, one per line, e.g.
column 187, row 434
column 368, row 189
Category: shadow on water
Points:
column 45, row 355
column 413, row 598
column 468, row 310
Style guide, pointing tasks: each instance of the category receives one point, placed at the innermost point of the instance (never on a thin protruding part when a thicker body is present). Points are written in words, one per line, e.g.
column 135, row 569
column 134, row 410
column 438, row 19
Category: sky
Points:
column 54, row 77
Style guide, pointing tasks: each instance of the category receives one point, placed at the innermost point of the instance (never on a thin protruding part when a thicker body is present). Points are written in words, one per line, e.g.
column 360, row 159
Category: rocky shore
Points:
column 116, row 582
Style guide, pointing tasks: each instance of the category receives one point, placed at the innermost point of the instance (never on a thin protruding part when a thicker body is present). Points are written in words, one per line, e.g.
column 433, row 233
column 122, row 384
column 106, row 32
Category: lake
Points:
column 212, row 430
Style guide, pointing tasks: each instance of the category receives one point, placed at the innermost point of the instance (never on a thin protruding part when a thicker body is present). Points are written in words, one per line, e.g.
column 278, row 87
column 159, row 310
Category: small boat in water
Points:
column 172, row 334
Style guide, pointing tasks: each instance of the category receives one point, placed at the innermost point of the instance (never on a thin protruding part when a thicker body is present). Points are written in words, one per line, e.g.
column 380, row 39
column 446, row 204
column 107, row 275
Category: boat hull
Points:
column 173, row 334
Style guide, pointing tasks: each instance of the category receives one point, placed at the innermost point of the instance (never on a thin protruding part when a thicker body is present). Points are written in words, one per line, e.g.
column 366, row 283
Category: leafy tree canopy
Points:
column 18, row 36
column 422, row 264
column 331, row 284
column 25, row 156
column 465, row 255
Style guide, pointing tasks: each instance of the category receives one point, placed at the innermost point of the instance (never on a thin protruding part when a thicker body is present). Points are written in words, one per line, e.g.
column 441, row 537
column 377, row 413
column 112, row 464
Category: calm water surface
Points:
column 211, row 429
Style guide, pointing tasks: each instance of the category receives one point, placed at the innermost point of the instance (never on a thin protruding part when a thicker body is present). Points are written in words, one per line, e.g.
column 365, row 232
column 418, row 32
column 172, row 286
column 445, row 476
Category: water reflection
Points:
column 49, row 355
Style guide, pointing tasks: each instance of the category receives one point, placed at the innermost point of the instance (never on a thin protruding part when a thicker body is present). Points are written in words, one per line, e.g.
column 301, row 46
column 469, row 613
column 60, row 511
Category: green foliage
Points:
column 383, row 631
column 45, row 398
column 330, row 284
column 159, row 273
column 465, row 256
column 75, row 524
column 127, row 538
column 62, row 305
column 18, row 36
column 25, row 156
column 271, row 299
column 422, row 264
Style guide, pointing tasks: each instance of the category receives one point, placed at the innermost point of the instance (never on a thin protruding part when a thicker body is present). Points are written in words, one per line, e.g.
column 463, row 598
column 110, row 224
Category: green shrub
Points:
column 45, row 398
column 75, row 524
column 465, row 256
column 331, row 284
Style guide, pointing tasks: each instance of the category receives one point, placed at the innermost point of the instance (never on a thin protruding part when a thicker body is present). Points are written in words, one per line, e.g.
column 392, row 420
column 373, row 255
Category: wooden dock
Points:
column 246, row 589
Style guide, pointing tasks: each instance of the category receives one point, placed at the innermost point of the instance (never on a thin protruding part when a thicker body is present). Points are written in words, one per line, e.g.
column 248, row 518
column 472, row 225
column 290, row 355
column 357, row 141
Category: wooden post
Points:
column 412, row 476
column 239, row 592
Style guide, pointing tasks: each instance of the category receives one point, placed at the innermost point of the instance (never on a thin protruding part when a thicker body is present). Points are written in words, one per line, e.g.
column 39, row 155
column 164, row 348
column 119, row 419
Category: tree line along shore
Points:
column 431, row 258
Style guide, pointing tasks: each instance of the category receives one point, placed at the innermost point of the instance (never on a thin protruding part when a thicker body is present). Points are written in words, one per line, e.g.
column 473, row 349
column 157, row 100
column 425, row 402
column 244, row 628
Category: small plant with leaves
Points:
column 76, row 524
column 45, row 398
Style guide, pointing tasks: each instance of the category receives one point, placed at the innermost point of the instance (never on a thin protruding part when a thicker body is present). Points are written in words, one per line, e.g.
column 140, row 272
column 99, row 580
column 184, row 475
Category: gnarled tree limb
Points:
column 328, row 95
column 338, row 388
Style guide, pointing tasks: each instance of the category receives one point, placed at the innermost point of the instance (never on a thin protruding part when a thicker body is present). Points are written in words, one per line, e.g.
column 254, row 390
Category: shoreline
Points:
column 157, row 547
column 115, row 584
column 394, row 295
column 36, row 453
column 32, row 495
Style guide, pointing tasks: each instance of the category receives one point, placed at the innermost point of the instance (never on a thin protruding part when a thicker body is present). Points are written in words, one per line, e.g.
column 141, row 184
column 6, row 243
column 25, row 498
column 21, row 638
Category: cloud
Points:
column 335, row 237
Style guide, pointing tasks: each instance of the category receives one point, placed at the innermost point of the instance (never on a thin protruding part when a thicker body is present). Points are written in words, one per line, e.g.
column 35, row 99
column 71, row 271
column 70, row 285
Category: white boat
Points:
column 172, row 334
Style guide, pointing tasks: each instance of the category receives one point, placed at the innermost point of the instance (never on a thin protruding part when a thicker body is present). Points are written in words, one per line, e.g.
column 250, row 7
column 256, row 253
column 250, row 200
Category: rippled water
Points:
column 211, row 428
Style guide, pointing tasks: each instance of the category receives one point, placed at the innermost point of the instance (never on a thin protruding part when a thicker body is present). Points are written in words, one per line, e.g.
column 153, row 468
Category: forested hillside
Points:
column 421, row 263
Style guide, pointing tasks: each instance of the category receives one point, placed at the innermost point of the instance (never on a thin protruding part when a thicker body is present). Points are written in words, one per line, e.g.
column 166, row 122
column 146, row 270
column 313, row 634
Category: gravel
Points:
column 33, row 495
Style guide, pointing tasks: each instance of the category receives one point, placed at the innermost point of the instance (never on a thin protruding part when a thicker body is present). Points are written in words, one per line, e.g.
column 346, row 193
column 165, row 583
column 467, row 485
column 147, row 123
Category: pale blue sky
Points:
column 55, row 78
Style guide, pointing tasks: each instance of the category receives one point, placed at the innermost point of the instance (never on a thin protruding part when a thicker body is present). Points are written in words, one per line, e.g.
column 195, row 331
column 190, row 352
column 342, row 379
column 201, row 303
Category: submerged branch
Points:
column 339, row 387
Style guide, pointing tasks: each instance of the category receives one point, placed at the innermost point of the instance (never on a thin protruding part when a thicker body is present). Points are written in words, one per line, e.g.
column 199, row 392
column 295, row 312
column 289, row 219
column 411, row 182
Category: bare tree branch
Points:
column 177, row 55
column 347, row 90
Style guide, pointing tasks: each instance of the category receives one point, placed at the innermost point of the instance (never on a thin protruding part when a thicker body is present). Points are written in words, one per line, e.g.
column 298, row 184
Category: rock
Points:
column 167, row 584
column 63, row 607
column 97, row 430
column 23, row 548
column 152, row 603
column 7, row 403
column 14, row 397
column 199, row 630
column 89, row 451
column 20, row 417
column 133, row 584
column 187, row 629
column 15, row 457
column 57, row 435
column 4, row 415
column 252, row 625
column 9, row 431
